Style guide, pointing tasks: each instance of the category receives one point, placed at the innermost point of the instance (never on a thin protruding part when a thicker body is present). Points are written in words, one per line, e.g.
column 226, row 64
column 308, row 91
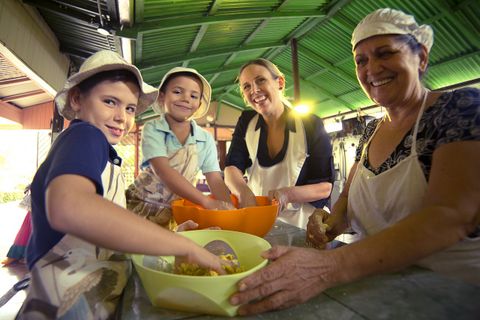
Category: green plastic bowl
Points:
column 203, row 294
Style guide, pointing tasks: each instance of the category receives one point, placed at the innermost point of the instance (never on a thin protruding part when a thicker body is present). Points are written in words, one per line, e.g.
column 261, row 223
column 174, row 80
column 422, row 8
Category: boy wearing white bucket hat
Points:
column 78, row 203
column 174, row 149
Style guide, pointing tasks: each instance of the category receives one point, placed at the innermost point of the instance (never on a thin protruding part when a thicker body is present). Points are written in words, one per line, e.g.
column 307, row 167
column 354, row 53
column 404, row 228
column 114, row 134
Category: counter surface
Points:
column 413, row 293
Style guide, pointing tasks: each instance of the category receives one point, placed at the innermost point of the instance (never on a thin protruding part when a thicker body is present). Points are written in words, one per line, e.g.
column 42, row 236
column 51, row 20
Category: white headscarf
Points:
column 391, row 21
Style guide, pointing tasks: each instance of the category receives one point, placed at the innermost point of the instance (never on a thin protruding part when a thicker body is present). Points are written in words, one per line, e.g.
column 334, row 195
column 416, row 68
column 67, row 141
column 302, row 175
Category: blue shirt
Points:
column 159, row 141
column 318, row 166
column 82, row 149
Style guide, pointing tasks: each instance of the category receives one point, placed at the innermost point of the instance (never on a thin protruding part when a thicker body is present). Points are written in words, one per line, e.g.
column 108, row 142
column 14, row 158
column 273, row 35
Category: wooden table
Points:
column 414, row 294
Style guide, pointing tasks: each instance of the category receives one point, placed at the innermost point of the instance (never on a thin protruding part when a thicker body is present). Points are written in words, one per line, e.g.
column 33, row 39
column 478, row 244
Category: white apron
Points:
column 149, row 197
column 76, row 279
column 376, row 202
column 284, row 174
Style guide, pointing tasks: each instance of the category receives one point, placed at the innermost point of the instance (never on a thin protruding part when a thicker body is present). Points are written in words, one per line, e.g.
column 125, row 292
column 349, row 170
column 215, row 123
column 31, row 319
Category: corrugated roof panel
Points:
column 330, row 42
column 284, row 61
column 227, row 35
column 348, row 66
column 246, row 6
column 154, row 76
column 167, row 43
column 167, row 8
column 307, row 66
column 225, row 78
column 357, row 98
column 276, row 30
column 336, row 85
column 303, row 5
column 329, row 108
column 458, row 71
column 448, row 43
column 209, row 63
column 325, row 58
column 246, row 56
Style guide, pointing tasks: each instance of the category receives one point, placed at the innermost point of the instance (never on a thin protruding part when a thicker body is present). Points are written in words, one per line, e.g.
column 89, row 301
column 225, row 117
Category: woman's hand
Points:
column 282, row 196
column 294, row 276
column 318, row 230
column 247, row 199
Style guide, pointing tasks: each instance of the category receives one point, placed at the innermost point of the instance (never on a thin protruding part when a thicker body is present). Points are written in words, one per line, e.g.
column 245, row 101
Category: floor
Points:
column 11, row 218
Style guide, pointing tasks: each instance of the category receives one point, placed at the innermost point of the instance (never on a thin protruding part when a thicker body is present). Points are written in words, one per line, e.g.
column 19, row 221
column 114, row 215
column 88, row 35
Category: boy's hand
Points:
column 187, row 225
column 213, row 204
column 203, row 258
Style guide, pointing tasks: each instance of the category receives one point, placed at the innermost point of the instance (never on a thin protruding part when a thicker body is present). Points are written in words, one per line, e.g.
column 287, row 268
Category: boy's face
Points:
column 181, row 98
column 110, row 106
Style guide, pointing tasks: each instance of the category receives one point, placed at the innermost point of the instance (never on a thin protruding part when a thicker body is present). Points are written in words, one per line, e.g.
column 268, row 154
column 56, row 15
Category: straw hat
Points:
column 206, row 92
column 104, row 60
column 391, row 21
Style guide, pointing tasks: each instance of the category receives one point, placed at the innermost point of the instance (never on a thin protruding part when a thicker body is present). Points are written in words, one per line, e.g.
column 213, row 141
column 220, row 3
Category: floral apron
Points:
column 376, row 202
column 149, row 197
column 284, row 174
column 76, row 279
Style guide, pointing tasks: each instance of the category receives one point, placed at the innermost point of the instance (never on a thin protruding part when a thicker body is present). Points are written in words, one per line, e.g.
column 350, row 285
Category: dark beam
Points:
column 22, row 95
column 68, row 12
column 14, row 81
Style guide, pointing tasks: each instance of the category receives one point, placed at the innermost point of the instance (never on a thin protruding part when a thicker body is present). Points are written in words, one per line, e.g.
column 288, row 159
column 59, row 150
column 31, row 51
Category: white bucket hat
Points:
column 104, row 60
column 391, row 21
column 206, row 92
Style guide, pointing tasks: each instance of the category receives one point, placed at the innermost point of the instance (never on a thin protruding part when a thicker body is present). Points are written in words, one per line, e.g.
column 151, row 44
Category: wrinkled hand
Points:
column 295, row 275
column 317, row 229
column 281, row 195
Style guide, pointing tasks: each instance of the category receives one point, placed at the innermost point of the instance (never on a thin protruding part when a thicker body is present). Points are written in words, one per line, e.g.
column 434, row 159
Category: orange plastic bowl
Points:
column 254, row 220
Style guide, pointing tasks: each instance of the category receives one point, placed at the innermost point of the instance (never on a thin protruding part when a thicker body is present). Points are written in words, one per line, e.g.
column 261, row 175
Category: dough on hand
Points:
column 316, row 230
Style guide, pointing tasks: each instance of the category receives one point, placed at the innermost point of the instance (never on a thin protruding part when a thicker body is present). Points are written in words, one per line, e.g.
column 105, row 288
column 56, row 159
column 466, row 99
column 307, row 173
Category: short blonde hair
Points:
column 272, row 68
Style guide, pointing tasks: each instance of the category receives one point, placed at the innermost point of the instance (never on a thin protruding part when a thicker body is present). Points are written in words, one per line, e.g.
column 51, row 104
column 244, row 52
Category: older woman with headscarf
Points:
column 413, row 192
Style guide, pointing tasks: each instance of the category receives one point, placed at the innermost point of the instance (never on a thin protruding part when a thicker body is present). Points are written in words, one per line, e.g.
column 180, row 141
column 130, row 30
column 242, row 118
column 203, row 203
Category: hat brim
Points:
column 148, row 94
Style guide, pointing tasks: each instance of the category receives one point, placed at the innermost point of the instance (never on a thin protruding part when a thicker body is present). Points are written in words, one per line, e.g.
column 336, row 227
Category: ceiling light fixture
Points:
column 101, row 29
column 301, row 109
column 103, row 32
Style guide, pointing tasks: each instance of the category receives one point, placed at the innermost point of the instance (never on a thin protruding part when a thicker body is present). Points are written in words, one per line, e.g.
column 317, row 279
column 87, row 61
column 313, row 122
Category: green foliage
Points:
column 11, row 196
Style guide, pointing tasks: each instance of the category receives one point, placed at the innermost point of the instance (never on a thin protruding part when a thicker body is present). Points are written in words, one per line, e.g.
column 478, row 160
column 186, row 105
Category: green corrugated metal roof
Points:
column 217, row 37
